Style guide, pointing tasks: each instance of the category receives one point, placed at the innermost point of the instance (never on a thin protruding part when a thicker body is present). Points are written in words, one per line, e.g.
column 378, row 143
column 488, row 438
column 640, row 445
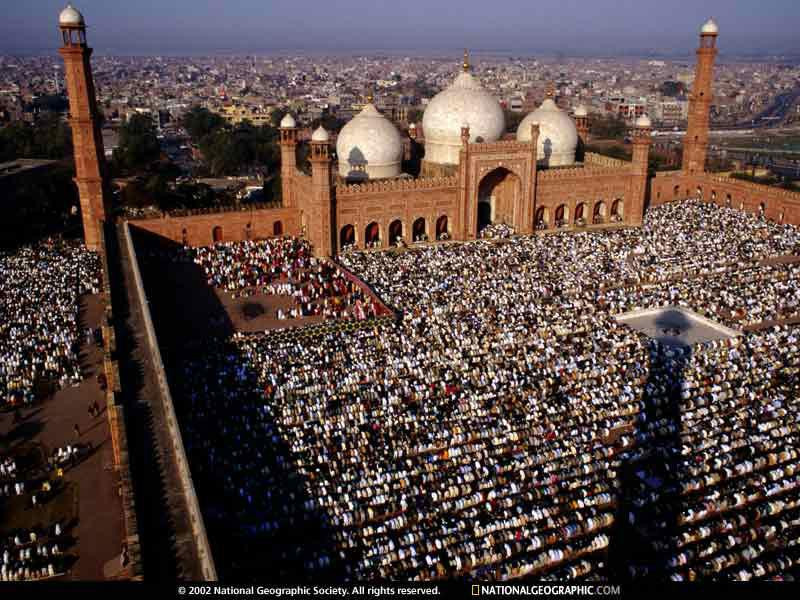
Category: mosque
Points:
column 470, row 174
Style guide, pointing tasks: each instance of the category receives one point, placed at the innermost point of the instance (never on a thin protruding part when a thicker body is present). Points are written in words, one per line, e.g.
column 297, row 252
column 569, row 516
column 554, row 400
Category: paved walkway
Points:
column 99, row 528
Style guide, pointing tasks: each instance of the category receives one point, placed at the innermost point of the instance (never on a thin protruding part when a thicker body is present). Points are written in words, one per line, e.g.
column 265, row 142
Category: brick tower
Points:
column 288, row 142
column 695, row 145
column 582, row 123
column 320, row 213
column 86, row 138
column 641, row 137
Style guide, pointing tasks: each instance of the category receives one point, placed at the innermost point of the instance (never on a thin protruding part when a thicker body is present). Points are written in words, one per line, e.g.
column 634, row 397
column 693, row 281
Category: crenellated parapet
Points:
column 756, row 188
column 590, row 172
column 502, row 146
column 210, row 210
column 592, row 158
column 396, row 185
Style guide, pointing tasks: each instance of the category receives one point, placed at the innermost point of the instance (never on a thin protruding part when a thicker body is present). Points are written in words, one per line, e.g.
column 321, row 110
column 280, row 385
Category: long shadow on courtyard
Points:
column 156, row 528
column 254, row 503
column 647, row 522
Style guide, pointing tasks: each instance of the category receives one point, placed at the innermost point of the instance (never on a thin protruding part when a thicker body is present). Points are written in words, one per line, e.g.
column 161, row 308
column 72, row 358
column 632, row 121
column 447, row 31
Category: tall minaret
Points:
column 641, row 137
column 288, row 129
column 582, row 122
column 86, row 138
column 695, row 145
column 320, row 213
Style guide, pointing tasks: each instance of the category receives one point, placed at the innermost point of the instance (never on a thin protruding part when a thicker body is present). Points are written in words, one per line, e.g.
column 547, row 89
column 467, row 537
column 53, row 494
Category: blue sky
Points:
column 603, row 27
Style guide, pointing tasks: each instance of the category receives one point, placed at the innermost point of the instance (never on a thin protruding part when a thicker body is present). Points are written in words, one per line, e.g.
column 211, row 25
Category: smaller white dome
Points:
column 558, row 136
column 288, row 122
column 70, row 16
column 644, row 121
column 369, row 146
column 581, row 111
column 320, row 135
column 710, row 28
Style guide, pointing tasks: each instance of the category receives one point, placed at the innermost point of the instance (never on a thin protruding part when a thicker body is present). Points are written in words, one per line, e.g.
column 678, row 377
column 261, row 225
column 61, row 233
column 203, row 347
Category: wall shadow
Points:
column 649, row 502
column 358, row 166
column 547, row 146
column 413, row 165
column 155, row 527
column 260, row 518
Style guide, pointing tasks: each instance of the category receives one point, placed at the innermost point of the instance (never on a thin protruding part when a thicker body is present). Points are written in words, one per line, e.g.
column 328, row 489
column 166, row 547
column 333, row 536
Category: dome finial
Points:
column 550, row 90
column 710, row 27
column 466, row 65
column 70, row 17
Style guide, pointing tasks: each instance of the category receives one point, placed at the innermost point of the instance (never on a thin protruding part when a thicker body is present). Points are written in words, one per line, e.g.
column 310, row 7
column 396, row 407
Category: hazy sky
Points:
column 606, row 27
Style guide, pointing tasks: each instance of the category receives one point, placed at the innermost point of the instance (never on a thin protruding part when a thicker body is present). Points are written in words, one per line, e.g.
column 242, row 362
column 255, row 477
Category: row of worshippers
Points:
column 40, row 290
column 498, row 429
column 497, row 231
column 36, row 553
column 283, row 267
column 33, row 554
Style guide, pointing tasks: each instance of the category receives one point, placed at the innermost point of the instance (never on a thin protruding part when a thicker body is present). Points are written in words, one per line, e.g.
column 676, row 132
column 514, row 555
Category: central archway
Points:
column 498, row 192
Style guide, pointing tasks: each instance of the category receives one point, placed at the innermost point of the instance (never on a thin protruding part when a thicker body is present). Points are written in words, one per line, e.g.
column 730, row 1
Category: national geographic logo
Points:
column 545, row 590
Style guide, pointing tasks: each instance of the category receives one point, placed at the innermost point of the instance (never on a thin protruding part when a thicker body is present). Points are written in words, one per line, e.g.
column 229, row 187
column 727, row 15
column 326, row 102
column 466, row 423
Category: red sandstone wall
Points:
column 588, row 185
column 383, row 207
column 198, row 229
column 779, row 205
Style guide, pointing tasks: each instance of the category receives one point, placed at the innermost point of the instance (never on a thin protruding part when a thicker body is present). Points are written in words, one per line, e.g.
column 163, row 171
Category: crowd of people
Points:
column 40, row 334
column 33, row 554
column 507, row 425
column 497, row 231
column 40, row 288
column 283, row 266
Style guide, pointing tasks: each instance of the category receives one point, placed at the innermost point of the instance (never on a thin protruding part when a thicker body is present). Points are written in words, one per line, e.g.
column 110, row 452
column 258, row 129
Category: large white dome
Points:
column 369, row 146
column 558, row 137
column 465, row 102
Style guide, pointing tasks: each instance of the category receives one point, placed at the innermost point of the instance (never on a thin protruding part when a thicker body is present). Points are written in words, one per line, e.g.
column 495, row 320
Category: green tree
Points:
column 513, row 119
column 414, row 115
column 608, row 127
column 49, row 137
column 231, row 151
column 200, row 122
column 138, row 145
column 53, row 103
column 329, row 122
column 276, row 116
column 672, row 89
column 40, row 203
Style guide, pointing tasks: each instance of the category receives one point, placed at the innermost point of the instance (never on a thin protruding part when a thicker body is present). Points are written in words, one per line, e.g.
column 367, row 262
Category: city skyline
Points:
column 570, row 28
